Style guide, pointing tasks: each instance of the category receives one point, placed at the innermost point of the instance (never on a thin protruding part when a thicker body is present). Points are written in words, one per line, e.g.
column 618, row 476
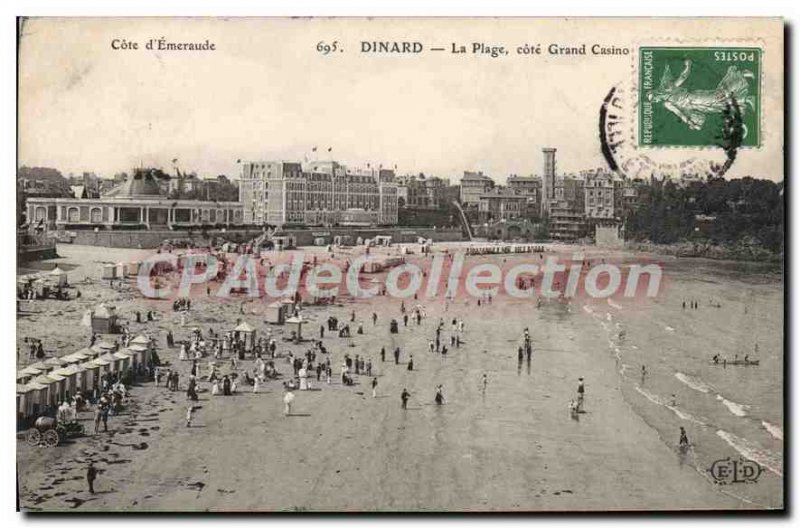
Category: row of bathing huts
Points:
column 43, row 385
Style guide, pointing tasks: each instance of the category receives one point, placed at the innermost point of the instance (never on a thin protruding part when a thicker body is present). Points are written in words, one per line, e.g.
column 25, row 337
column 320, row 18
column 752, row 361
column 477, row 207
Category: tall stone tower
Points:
column 548, row 178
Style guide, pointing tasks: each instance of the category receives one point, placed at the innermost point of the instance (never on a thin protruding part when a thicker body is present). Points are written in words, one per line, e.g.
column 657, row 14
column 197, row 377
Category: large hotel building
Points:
column 317, row 193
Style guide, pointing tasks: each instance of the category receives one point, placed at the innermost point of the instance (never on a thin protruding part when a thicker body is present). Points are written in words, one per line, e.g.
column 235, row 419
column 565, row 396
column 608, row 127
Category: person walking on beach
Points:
column 288, row 398
column 439, row 397
column 91, row 476
column 411, row 362
column 374, row 387
column 397, row 356
column 404, row 396
column 383, row 354
column 484, row 383
column 684, row 440
column 189, row 412
column 98, row 416
column 581, row 392
column 104, row 409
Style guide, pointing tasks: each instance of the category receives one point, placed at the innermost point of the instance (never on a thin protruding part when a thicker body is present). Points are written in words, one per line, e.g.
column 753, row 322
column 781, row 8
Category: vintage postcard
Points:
column 400, row 265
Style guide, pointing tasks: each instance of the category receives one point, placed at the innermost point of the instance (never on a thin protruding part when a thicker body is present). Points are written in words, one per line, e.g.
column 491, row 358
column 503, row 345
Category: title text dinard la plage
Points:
column 492, row 49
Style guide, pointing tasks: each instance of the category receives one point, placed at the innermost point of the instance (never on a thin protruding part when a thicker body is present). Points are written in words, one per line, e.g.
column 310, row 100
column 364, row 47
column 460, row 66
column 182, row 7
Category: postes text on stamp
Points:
column 690, row 97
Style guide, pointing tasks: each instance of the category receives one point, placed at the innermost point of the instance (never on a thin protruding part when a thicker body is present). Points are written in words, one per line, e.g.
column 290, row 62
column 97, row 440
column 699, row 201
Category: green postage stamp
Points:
column 699, row 97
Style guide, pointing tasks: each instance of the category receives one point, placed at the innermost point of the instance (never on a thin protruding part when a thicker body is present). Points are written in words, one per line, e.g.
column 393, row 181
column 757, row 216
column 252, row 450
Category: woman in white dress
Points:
column 303, row 374
column 288, row 398
column 255, row 385
column 215, row 388
column 182, row 355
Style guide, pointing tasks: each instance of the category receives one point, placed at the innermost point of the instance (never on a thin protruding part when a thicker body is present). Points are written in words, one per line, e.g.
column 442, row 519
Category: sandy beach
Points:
column 514, row 447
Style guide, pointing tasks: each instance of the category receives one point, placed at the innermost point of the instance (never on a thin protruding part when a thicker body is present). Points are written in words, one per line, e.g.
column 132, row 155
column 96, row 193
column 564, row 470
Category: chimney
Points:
column 548, row 178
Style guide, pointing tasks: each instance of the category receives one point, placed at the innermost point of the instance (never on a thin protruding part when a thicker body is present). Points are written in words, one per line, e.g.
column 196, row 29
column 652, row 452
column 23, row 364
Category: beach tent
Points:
column 102, row 346
column 289, row 304
column 55, row 362
column 70, row 381
column 132, row 269
column 27, row 374
column 114, row 364
column 140, row 352
column 109, row 272
column 71, row 359
column 60, row 385
column 59, row 276
column 104, row 320
column 299, row 322
column 125, row 360
column 103, row 364
column 87, row 352
column 246, row 333
column 26, row 396
column 37, row 396
column 91, row 374
column 31, row 371
column 51, row 384
column 39, row 365
column 80, row 356
column 275, row 313
column 283, row 241
column 140, row 339
column 79, row 374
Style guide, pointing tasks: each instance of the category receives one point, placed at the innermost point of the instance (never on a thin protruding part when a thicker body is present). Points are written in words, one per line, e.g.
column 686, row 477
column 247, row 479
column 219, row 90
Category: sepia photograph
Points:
column 382, row 265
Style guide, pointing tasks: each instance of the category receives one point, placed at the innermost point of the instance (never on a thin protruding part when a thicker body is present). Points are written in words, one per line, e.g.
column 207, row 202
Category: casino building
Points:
column 317, row 193
column 138, row 203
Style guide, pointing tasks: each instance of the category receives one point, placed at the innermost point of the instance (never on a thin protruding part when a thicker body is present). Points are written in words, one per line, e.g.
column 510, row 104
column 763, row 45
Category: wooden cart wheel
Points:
column 51, row 438
column 34, row 437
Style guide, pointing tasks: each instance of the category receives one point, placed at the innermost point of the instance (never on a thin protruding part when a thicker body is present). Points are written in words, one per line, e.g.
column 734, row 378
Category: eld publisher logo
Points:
column 735, row 471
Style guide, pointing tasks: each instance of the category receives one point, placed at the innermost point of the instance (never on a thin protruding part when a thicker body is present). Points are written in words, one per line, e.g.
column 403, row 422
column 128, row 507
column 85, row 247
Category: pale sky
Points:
column 266, row 93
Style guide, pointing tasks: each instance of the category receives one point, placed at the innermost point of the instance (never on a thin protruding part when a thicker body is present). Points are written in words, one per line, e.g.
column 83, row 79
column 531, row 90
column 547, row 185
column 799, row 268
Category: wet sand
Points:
column 514, row 448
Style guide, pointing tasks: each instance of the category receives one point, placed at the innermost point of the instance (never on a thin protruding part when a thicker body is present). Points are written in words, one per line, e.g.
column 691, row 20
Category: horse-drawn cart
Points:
column 48, row 432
